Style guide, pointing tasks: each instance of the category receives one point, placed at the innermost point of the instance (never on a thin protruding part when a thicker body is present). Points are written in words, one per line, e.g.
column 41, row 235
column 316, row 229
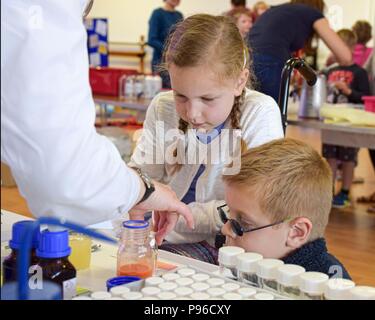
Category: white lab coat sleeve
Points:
column 61, row 165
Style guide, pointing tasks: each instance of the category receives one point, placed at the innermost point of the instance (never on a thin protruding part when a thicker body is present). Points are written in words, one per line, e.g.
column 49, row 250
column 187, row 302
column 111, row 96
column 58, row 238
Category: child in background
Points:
column 243, row 20
column 279, row 203
column 160, row 24
column 346, row 84
column 259, row 8
column 209, row 66
column 362, row 53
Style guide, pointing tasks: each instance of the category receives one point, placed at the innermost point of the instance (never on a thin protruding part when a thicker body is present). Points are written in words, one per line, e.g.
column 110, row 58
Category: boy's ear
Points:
column 299, row 232
column 241, row 82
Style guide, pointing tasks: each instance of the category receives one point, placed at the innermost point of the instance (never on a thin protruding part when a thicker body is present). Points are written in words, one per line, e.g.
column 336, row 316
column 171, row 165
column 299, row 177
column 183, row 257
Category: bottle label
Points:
column 69, row 289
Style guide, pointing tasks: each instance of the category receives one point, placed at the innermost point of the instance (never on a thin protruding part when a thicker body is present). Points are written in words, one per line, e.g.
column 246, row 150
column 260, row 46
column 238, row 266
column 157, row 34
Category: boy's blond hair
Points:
column 289, row 179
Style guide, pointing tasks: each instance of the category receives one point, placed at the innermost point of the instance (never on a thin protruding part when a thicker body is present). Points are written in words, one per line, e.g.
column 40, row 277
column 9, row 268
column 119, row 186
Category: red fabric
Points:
column 105, row 81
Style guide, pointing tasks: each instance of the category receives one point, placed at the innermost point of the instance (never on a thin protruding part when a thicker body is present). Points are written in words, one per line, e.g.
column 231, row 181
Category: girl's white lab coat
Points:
column 61, row 165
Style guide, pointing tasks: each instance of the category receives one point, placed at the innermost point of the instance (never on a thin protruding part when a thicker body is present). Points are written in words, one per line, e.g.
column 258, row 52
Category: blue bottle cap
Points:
column 53, row 244
column 118, row 281
column 18, row 230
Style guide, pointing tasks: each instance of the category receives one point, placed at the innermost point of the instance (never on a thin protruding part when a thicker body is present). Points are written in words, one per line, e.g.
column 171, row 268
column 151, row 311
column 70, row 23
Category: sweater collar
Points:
column 308, row 252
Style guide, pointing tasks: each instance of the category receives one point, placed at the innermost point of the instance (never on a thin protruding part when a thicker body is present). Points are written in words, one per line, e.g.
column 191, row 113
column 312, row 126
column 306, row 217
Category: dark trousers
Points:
column 268, row 71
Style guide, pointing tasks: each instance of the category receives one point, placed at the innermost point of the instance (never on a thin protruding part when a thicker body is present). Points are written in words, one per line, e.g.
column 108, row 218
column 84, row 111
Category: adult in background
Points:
column 236, row 5
column 160, row 24
column 287, row 28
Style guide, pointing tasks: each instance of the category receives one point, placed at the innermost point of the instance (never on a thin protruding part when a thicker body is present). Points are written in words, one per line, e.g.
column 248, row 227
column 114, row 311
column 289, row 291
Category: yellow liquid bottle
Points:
column 81, row 251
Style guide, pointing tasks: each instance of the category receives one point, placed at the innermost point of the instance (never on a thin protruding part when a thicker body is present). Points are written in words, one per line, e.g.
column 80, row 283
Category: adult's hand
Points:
column 164, row 201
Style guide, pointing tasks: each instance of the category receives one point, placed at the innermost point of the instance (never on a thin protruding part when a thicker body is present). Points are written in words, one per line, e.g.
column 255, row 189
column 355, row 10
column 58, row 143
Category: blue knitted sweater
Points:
column 314, row 256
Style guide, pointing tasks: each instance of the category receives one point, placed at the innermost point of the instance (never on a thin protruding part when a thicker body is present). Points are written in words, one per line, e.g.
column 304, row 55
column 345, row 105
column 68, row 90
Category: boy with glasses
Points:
column 278, row 205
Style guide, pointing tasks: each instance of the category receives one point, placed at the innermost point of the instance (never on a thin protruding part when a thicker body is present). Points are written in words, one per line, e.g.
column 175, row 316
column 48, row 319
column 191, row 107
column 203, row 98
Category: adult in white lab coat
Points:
column 61, row 165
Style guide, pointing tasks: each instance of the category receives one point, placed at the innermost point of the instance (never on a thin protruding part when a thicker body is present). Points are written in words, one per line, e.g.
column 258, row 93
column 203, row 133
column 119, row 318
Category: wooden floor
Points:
column 350, row 233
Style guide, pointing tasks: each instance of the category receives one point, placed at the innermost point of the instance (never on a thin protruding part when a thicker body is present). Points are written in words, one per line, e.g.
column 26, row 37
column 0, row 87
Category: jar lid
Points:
column 215, row 282
column 362, row 293
column 170, row 276
column 119, row 290
column 232, row 296
column 184, row 281
column 338, row 289
column 227, row 255
column 53, row 244
column 100, row 295
column 154, row 281
column 200, row 296
column 228, row 287
column 288, row 275
column 167, row 295
column 246, row 292
column 135, row 224
column 132, row 295
column 167, row 286
column 200, row 277
column 266, row 268
column 246, row 262
column 313, row 282
column 18, row 230
column 186, row 272
column 200, row 286
column 216, row 292
column 183, row 291
column 150, row 291
column 263, row 296
column 117, row 281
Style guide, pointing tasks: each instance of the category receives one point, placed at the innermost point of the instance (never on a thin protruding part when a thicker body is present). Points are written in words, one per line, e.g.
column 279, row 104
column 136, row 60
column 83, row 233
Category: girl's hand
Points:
column 164, row 222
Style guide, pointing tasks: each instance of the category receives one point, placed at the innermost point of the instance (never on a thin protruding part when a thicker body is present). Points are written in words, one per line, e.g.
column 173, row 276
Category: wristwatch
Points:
column 150, row 188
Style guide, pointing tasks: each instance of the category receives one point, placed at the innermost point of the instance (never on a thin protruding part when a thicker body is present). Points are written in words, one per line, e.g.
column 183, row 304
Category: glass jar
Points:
column 227, row 261
column 312, row 285
column 136, row 256
column 246, row 267
column 266, row 272
column 288, row 280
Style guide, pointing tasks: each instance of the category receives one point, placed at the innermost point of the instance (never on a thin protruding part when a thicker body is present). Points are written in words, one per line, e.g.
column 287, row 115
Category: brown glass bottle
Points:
column 53, row 253
column 10, row 265
column 10, row 262
column 62, row 272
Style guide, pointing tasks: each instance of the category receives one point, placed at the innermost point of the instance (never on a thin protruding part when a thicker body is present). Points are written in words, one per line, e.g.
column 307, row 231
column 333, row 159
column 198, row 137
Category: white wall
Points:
column 128, row 19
